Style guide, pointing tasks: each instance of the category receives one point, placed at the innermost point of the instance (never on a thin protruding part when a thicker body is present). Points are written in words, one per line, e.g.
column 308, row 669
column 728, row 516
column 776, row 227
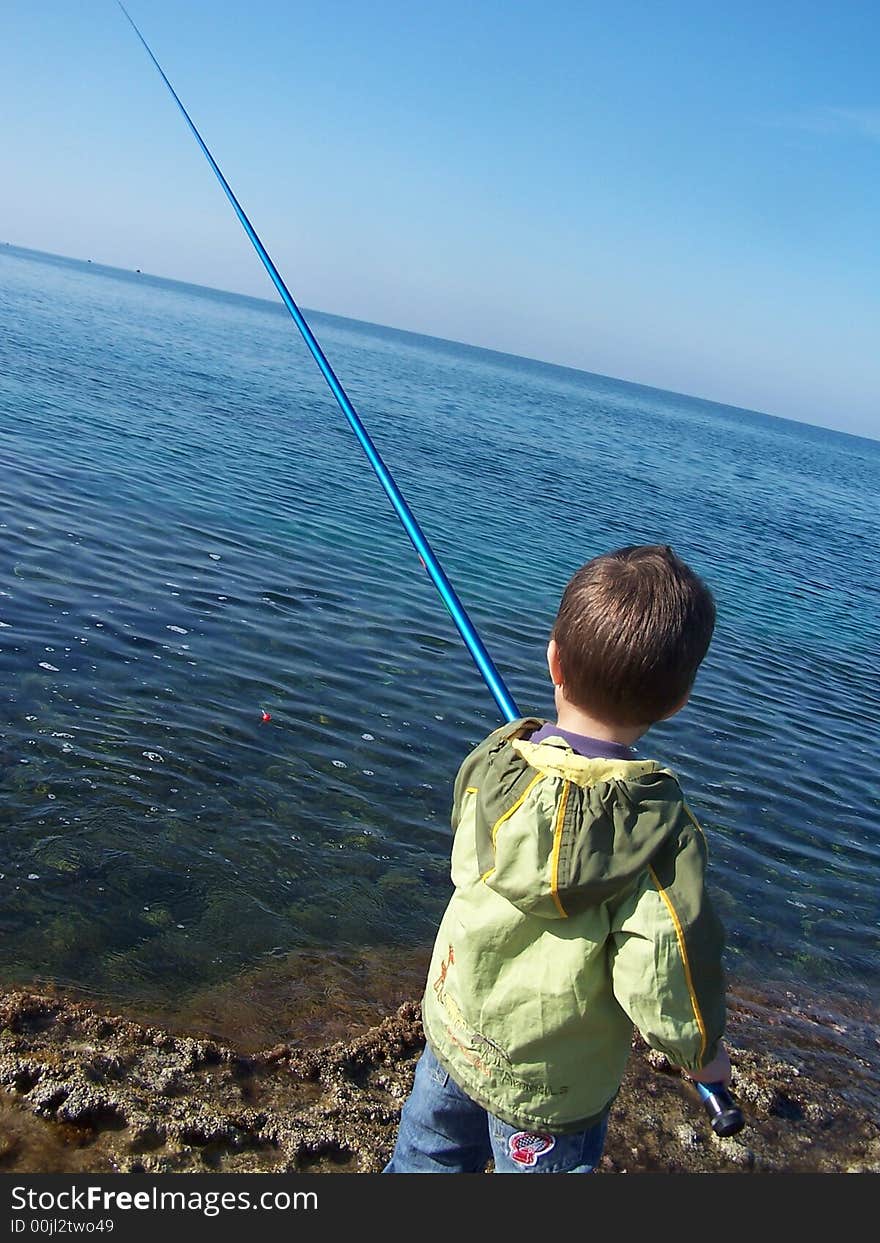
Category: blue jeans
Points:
column 442, row 1131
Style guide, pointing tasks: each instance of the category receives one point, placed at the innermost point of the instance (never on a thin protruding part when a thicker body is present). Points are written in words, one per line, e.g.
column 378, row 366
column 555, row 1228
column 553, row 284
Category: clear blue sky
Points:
column 681, row 194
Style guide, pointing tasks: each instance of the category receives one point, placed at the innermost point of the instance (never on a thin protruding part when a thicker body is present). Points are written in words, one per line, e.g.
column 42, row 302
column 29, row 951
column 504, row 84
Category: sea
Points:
column 232, row 703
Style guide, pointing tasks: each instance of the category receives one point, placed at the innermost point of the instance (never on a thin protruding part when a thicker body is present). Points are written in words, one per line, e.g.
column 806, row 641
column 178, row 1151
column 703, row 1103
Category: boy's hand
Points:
column 718, row 1070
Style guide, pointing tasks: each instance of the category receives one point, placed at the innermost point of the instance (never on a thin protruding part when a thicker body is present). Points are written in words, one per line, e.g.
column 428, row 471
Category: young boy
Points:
column 579, row 907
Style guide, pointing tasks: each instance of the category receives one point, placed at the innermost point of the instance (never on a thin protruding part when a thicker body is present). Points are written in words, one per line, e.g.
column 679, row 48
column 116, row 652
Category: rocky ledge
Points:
column 84, row 1091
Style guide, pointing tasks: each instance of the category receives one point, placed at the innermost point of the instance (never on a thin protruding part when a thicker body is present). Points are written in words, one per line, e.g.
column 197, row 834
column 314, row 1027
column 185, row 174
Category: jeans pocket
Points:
column 434, row 1069
column 518, row 1151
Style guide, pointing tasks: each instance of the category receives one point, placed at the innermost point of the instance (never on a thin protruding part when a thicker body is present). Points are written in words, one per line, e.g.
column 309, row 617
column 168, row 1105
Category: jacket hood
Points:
column 569, row 832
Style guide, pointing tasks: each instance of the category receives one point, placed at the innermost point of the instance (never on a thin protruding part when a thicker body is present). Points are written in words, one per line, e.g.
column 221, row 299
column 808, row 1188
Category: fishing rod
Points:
column 456, row 609
column 726, row 1119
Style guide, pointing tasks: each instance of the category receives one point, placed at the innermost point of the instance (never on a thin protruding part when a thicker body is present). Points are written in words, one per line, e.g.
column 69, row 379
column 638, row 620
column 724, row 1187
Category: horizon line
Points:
column 468, row 345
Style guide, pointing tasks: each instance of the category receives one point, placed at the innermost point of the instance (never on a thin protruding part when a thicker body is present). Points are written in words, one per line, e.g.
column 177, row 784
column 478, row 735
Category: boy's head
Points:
column 631, row 631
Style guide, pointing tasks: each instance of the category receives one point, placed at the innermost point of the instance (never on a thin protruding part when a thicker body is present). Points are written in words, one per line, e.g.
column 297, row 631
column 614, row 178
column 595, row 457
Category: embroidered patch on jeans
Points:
column 525, row 1148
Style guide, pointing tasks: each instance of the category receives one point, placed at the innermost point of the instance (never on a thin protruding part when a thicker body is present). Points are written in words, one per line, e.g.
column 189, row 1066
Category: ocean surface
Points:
column 191, row 538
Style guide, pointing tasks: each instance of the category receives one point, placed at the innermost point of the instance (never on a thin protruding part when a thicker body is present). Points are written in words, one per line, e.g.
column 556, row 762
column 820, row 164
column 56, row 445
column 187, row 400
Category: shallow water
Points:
column 190, row 536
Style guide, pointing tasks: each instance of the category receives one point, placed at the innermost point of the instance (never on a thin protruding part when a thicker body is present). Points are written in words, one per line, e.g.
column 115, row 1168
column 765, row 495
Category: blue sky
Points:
column 679, row 194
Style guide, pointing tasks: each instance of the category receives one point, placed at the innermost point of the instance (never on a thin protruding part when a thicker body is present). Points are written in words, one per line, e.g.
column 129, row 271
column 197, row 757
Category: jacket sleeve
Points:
column 665, row 954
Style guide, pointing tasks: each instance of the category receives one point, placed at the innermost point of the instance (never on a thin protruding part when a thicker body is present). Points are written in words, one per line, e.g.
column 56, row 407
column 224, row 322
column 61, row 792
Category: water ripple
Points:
column 191, row 540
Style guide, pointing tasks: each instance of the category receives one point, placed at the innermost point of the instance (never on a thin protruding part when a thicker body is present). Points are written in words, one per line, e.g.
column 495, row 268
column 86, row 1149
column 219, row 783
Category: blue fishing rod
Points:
column 725, row 1117
column 466, row 628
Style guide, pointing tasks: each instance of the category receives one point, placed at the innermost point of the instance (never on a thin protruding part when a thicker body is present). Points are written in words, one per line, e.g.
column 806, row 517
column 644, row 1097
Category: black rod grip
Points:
column 724, row 1114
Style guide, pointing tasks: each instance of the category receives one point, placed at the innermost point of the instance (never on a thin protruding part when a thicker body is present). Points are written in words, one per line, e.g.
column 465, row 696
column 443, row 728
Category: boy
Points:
column 579, row 907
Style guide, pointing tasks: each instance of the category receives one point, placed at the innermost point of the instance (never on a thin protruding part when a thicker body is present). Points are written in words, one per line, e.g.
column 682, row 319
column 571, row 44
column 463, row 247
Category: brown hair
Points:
column 632, row 629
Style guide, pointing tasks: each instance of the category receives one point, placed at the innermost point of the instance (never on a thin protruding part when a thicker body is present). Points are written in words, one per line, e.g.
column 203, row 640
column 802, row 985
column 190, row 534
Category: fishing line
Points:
column 465, row 626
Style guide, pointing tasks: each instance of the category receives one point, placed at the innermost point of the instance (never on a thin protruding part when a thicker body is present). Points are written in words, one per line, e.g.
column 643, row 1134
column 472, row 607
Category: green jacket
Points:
column 579, row 910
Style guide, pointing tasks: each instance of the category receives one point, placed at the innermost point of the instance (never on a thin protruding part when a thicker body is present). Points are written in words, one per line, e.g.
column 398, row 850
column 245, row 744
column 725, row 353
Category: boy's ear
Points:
column 554, row 664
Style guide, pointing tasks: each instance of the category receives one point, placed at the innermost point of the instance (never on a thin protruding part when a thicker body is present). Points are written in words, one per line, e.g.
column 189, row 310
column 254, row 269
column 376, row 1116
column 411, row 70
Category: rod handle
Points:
column 725, row 1115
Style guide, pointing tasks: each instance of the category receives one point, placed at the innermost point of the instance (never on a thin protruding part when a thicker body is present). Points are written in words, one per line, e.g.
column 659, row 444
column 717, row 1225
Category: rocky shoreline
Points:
column 86, row 1091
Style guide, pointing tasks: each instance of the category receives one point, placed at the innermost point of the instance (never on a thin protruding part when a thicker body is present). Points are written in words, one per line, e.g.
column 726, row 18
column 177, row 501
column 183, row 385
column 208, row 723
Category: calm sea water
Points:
column 190, row 536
